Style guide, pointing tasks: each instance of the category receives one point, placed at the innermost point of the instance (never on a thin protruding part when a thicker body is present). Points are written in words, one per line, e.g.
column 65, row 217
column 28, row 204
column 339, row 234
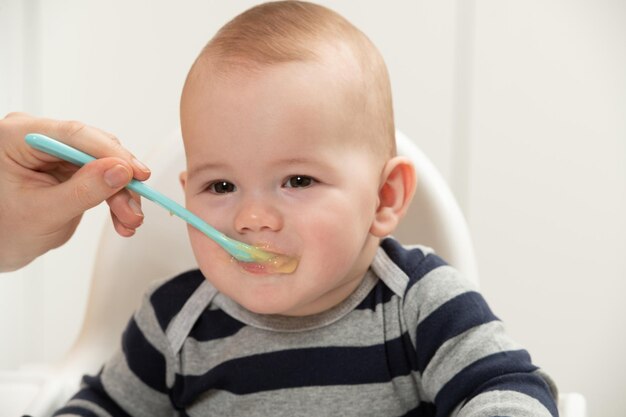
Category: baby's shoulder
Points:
column 421, row 279
column 168, row 297
column 407, row 270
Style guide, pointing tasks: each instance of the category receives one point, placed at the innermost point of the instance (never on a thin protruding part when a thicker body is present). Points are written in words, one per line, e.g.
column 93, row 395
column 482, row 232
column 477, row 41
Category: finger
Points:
column 16, row 114
column 88, row 187
column 121, row 229
column 140, row 170
column 91, row 140
column 126, row 209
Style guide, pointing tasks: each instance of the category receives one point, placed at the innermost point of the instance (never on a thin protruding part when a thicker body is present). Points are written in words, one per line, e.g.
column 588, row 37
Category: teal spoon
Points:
column 239, row 250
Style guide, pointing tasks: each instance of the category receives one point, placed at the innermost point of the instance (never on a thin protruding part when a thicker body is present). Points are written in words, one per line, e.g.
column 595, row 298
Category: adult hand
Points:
column 42, row 198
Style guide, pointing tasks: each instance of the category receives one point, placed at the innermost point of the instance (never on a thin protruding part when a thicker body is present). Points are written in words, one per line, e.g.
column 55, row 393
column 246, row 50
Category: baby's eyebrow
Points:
column 285, row 162
column 206, row 166
column 301, row 161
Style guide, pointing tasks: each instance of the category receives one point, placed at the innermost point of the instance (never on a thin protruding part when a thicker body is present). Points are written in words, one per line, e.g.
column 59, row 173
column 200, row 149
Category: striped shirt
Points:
column 414, row 339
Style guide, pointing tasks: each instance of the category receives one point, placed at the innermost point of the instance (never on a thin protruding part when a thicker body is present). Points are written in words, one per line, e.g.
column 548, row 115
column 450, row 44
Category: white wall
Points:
column 521, row 105
column 547, row 184
column 21, row 292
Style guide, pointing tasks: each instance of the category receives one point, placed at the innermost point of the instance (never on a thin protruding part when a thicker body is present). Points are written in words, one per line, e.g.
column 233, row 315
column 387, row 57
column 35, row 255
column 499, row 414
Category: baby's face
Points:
column 273, row 161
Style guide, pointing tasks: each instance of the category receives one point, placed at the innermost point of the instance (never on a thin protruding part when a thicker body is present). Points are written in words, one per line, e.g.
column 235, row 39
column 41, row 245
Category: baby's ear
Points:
column 183, row 179
column 398, row 183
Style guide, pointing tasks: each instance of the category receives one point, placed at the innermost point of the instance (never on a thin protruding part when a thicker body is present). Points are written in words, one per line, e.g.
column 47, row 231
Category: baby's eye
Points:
column 298, row 181
column 221, row 187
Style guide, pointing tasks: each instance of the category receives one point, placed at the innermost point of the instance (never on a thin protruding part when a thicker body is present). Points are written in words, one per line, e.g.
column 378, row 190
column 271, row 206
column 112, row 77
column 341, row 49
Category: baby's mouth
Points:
column 277, row 264
column 254, row 268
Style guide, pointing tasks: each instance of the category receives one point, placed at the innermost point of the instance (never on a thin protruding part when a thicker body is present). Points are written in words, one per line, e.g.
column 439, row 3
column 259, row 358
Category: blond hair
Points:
column 291, row 31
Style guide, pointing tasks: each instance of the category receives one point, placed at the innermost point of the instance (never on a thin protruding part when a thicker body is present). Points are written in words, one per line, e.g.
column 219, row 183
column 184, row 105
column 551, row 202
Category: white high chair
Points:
column 124, row 268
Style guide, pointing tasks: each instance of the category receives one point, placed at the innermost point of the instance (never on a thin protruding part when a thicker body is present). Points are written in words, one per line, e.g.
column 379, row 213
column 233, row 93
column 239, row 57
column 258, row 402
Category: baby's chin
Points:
column 264, row 302
column 266, row 308
column 272, row 306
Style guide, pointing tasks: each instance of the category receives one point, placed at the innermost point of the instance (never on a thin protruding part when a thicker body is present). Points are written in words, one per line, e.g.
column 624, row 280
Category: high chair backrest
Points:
column 160, row 249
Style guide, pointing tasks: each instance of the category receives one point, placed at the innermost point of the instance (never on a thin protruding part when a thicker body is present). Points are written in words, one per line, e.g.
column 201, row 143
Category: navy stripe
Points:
column 400, row 355
column 530, row 384
column 146, row 362
column 412, row 261
column 420, row 270
column 479, row 374
column 401, row 255
column 379, row 295
column 300, row 368
column 94, row 393
column 452, row 318
column 214, row 324
column 75, row 411
column 170, row 297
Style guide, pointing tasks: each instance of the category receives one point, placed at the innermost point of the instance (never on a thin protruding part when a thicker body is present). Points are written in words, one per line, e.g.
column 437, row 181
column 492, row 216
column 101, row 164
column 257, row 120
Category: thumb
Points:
column 90, row 186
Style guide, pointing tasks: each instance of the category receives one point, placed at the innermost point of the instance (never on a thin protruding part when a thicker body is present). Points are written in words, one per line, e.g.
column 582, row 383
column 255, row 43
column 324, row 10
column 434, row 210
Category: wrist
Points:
column 12, row 260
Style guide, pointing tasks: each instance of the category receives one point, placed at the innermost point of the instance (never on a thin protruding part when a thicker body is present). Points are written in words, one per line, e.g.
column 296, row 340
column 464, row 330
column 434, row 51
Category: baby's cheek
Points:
column 208, row 253
column 331, row 243
column 320, row 228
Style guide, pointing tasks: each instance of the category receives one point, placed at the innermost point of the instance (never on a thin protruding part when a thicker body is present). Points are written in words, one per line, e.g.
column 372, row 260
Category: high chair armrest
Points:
column 572, row 404
column 36, row 393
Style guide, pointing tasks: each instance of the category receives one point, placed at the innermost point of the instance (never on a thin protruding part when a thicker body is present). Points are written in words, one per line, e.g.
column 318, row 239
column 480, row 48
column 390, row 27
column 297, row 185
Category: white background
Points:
column 520, row 104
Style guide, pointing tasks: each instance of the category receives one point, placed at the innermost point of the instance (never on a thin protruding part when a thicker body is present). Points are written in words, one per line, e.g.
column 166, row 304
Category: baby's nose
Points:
column 257, row 216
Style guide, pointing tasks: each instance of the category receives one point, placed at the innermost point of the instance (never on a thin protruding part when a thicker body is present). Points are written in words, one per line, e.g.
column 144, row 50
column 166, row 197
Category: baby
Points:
column 288, row 129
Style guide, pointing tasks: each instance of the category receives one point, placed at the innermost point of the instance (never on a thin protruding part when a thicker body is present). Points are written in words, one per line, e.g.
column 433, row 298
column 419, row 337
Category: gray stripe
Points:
column 437, row 288
column 504, row 403
column 360, row 328
column 129, row 392
column 390, row 273
column 433, row 290
column 463, row 350
column 394, row 398
column 181, row 325
column 96, row 409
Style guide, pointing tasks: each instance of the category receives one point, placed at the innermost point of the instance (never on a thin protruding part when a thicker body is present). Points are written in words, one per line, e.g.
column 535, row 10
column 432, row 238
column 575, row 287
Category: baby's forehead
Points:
column 336, row 83
column 307, row 92
column 338, row 58
column 334, row 72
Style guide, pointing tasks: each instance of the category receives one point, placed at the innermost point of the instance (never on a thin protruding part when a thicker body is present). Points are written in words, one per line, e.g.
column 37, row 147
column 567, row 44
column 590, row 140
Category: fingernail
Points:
column 117, row 177
column 140, row 165
column 135, row 207
column 130, row 232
